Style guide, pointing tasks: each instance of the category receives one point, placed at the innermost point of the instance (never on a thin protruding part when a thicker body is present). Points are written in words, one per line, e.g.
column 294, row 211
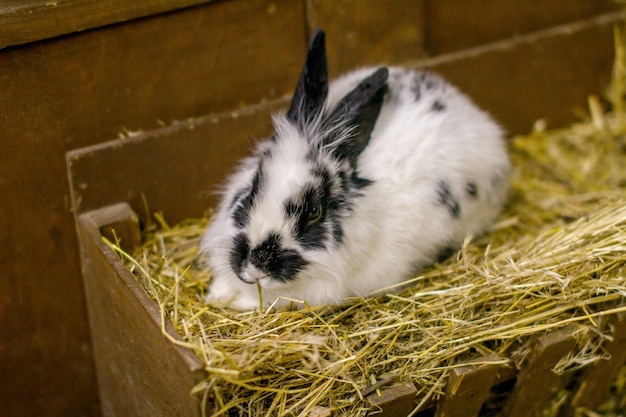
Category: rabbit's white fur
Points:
column 429, row 142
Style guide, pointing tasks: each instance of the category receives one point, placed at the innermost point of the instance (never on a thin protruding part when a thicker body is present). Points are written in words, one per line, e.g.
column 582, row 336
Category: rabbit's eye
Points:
column 314, row 214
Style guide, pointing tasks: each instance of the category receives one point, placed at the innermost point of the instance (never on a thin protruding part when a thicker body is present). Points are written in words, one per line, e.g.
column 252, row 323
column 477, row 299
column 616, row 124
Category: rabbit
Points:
column 364, row 182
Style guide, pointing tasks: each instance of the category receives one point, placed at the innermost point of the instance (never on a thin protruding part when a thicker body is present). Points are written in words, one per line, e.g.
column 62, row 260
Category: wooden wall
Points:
column 77, row 73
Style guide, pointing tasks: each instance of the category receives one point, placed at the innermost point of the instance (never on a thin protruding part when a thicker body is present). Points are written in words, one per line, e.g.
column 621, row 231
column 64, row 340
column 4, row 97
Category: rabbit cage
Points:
column 555, row 344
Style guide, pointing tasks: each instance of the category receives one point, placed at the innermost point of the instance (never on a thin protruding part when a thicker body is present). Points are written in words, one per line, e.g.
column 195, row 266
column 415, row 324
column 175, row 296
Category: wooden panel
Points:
column 396, row 400
column 81, row 90
column 458, row 24
column 547, row 74
column 468, row 387
column 595, row 382
column 85, row 89
column 178, row 168
column 536, row 382
column 140, row 372
column 34, row 20
column 368, row 32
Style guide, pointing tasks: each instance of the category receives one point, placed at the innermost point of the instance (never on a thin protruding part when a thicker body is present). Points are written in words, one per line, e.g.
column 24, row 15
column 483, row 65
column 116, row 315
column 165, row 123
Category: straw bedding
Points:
column 556, row 258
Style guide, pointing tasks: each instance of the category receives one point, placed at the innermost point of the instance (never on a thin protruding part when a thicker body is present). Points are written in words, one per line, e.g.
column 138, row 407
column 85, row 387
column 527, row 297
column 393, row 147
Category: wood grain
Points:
column 368, row 32
column 454, row 25
column 140, row 372
column 594, row 385
column 547, row 74
column 536, row 382
column 468, row 387
column 28, row 21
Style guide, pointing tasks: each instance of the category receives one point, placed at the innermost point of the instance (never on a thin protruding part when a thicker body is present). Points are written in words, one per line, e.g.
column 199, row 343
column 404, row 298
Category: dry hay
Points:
column 556, row 258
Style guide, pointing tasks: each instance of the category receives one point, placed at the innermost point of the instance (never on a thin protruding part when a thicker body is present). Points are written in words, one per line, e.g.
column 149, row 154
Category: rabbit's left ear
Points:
column 358, row 112
column 310, row 95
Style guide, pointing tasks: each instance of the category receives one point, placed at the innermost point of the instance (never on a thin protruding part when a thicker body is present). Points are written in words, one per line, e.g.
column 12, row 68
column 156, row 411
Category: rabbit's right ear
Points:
column 310, row 95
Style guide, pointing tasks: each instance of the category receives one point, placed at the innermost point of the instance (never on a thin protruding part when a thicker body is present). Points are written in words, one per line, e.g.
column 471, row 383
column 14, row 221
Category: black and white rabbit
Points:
column 364, row 182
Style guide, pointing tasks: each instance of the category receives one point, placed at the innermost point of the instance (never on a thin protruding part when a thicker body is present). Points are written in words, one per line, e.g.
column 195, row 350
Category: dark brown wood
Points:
column 177, row 169
column 366, row 32
column 453, row 25
column 536, row 382
column 396, row 400
column 123, row 228
column 33, row 20
column 140, row 371
column 597, row 378
column 469, row 386
column 542, row 75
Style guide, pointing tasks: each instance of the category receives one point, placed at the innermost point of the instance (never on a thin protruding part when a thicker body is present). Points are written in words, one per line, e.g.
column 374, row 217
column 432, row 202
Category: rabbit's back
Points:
column 438, row 167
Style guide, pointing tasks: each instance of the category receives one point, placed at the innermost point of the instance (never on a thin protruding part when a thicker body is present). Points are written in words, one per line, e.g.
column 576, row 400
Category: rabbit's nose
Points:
column 271, row 260
column 251, row 274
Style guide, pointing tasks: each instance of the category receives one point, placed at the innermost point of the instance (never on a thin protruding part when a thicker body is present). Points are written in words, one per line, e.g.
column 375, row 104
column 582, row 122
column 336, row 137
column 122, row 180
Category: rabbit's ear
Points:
column 357, row 112
column 310, row 95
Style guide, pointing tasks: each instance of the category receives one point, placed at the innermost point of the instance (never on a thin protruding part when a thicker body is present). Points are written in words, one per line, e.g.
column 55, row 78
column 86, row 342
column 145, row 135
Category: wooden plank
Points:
column 120, row 225
column 459, row 24
column 596, row 380
column 536, row 382
column 34, row 20
column 140, row 372
column 468, row 387
column 396, row 400
column 176, row 169
column 542, row 75
column 368, row 32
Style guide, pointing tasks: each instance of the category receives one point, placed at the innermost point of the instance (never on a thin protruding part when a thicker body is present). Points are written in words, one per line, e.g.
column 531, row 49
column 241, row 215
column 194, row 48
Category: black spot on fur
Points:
column 424, row 81
column 351, row 185
column 343, row 181
column 281, row 264
column 416, row 86
column 239, row 252
column 241, row 214
column 447, row 199
column 267, row 152
column 429, row 80
column 438, row 106
column 359, row 182
column 472, row 189
column 321, row 172
column 236, row 198
column 337, row 232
